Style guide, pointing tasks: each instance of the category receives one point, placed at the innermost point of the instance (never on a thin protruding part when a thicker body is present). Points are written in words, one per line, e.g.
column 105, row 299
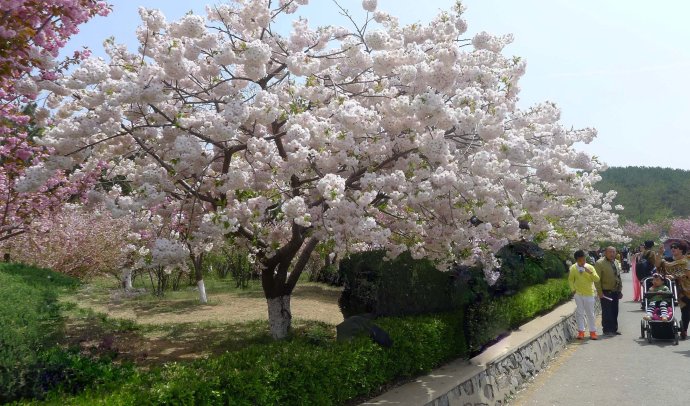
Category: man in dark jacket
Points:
column 610, row 290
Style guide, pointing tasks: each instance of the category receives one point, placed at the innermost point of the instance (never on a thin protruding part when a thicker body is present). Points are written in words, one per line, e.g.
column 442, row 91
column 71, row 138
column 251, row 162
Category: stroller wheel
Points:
column 649, row 335
column 642, row 329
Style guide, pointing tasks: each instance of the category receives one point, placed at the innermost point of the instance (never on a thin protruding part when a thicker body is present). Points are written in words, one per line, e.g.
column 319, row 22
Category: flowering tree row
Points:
column 74, row 241
column 656, row 230
column 32, row 33
column 378, row 135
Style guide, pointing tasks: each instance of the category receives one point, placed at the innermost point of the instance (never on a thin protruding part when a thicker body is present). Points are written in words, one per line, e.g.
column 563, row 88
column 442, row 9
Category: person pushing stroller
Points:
column 658, row 301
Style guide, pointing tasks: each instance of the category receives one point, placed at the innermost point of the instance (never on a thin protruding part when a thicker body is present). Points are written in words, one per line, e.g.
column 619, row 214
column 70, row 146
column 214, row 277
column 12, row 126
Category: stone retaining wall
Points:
column 503, row 377
column 490, row 378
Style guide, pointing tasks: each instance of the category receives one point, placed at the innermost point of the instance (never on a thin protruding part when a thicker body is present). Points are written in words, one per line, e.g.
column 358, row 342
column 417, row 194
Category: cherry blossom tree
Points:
column 680, row 228
column 32, row 32
column 380, row 135
column 651, row 230
column 77, row 242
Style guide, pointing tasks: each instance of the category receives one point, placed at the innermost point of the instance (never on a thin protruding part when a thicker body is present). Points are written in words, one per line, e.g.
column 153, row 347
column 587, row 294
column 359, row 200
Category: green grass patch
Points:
column 31, row 322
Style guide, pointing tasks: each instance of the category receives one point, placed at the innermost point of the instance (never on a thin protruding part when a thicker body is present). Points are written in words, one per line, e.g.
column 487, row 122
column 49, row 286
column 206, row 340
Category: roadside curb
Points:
column 492, row 376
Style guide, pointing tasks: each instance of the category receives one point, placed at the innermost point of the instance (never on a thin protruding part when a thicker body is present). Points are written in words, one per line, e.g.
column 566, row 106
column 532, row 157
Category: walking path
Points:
column 622, row 369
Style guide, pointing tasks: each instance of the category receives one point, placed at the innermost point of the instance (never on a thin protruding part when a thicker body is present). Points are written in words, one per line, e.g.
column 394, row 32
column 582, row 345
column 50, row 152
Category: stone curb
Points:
column 494, row 375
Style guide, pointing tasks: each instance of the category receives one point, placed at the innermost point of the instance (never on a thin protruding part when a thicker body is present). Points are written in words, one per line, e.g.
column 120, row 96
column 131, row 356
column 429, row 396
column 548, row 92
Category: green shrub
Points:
column 554, row 264
column 524, row 264
column 310, row 368
column 327, row 274
column 488, row 319
column 406, row 286
column 399, row 287
column 298, row 371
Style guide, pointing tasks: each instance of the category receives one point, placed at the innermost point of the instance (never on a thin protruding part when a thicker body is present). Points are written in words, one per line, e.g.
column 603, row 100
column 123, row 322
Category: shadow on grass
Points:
column 162, row 306
column 313, row 291
column 123, row 340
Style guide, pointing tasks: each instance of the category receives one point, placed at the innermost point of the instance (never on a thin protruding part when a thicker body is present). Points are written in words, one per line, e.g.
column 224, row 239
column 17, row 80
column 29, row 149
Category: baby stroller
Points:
column 656, row 328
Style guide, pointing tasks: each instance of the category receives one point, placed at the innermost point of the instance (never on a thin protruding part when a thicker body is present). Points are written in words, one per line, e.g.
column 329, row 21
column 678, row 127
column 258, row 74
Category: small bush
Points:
column 554, row 264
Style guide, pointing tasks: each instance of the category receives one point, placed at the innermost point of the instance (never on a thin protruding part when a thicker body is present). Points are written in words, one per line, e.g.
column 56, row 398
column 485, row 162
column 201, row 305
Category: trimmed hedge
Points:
column 406, row 286
column 292, row 372
column 486, row 320
column 524, row 264
column 402, row 286
column 301, row 371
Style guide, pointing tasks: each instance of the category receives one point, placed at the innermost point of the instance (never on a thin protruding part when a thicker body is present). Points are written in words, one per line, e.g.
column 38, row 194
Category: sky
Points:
column 620, row 66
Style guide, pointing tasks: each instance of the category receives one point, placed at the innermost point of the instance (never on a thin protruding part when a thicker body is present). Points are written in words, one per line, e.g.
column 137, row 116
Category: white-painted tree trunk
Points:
column 279, row 316
column 202, row 291
column 127, row 280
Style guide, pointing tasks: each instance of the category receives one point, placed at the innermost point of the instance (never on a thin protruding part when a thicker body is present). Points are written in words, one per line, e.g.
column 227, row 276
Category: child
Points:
column 581, row 280
column 660, row 301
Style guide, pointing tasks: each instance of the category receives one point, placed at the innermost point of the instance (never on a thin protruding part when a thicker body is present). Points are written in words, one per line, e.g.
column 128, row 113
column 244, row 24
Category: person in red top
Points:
column 637, row 288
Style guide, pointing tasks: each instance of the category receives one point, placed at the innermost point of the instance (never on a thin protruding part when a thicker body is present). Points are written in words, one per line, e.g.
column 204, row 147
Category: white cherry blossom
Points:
column 395, row 137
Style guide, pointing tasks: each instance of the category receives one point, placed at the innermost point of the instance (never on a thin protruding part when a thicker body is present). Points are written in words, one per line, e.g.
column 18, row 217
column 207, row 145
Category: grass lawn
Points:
column 137, row 326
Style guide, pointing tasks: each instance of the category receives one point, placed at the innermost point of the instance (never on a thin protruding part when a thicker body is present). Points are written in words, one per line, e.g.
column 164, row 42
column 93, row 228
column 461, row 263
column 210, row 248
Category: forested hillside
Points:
column 649, row 193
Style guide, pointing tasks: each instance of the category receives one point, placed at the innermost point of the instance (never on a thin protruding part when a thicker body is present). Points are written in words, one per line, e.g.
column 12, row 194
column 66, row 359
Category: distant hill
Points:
column 648, row 193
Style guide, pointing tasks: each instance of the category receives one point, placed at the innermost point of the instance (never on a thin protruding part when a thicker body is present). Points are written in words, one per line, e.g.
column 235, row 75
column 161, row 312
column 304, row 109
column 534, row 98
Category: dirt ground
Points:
column 310, row 302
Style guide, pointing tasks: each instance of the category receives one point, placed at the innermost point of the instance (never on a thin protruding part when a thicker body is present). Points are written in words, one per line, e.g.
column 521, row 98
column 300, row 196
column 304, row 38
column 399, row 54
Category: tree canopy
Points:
column 378, row 135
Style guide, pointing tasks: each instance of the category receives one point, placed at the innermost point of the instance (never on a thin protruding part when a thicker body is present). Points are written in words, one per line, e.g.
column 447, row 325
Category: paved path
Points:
column 622, row 370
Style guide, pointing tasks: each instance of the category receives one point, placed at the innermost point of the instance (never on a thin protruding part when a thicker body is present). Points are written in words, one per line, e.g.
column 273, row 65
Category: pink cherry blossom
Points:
column 33, row 32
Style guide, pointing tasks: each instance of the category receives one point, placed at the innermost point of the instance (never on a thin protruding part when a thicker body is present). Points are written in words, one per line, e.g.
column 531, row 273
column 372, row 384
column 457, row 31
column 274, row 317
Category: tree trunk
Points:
column 279, row 316
column 199, row 275
column 202, row 291
column 278, row 283
column 127, row 280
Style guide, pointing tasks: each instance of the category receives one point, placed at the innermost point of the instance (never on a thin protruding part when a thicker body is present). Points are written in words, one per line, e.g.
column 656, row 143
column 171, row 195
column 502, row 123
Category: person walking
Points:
column 581, row 278
column 637, row 288
column 677, row 269
column 646, row 263
column 610, row 290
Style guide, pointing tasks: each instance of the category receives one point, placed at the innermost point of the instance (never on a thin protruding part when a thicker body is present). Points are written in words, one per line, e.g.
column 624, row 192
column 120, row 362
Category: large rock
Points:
column 362, row 325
